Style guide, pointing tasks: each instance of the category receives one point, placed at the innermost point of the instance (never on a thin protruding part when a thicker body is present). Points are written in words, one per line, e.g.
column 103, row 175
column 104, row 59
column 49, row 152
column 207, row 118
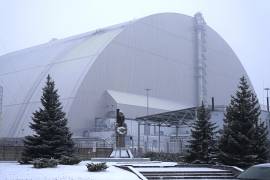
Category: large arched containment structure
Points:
column 181, row 59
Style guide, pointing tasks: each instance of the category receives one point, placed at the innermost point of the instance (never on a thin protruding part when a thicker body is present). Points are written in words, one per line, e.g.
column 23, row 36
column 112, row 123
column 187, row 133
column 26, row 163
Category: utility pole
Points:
column 147, row 128
column 267, row 97
column 147, row 100
column 1, row 99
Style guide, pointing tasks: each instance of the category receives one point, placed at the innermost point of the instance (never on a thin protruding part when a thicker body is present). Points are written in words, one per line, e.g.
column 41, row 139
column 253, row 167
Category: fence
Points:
column 13, row 153
column 85, row 149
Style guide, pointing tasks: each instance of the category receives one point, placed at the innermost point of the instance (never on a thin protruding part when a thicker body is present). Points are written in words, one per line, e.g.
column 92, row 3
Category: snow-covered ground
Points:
column 14, row 171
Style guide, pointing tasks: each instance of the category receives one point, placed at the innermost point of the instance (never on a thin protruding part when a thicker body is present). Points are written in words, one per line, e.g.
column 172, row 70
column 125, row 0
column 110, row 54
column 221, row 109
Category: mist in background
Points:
column 243, row 24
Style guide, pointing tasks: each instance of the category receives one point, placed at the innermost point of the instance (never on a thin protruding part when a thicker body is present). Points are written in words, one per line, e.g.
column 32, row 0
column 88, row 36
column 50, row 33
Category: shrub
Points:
column 96, row 167
column 25, row 160
column 67, row 160
column 44, row 163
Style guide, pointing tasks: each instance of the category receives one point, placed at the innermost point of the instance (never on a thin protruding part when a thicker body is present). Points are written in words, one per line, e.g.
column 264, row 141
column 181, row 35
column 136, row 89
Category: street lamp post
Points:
column 147, row 113
column 147, row 100
column 267, row 98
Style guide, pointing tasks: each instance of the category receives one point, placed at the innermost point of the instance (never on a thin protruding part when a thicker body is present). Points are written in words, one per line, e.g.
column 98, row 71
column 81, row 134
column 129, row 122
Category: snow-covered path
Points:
column 14, row 171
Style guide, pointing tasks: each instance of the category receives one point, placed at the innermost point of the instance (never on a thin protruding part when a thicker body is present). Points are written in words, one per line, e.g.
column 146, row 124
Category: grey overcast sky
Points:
column 244, row 24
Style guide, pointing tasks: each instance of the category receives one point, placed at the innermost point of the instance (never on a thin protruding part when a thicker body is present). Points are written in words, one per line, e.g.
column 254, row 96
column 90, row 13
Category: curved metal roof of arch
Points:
column 69, row 60
column 22, row 73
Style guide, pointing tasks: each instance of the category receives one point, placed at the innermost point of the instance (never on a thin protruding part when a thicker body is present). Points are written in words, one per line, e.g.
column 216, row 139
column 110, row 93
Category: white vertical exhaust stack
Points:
column 200, row 47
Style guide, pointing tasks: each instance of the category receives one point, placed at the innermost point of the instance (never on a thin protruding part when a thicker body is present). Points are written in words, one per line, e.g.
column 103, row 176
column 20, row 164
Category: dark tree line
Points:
column 243, row 139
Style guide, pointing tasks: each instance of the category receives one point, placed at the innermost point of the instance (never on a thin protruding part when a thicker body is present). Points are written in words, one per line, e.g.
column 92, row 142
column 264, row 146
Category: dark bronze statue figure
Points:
column 120, row 129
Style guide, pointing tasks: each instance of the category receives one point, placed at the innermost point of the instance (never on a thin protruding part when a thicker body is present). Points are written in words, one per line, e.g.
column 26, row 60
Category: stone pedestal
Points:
column 121, row 153
column 120, row 140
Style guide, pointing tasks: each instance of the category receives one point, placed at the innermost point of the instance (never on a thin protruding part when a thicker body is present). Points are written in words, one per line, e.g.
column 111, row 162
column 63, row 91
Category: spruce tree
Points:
column 202, row 143
column 261, row 144
column 244, row 138
column 51, row 138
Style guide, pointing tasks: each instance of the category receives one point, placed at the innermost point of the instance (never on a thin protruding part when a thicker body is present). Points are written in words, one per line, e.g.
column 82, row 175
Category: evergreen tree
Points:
column 243, row 141
column 261, row 144
column 51, row 137
column 202, row 143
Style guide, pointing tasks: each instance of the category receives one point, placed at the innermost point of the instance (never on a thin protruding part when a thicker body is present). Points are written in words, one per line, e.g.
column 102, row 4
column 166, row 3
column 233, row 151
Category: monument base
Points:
column 121, row 153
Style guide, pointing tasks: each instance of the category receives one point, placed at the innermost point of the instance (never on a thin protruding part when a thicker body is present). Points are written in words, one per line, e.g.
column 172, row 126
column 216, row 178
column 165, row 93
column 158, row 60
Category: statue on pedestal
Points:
column 120, row 129
column 120, row 150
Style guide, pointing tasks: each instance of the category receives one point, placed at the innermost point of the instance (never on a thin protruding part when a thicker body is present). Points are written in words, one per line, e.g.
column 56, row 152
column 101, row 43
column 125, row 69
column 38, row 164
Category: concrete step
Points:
column 195, row 175
column 182, row 171
column 196, row 178
column 191, row 177
column 188, row 173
